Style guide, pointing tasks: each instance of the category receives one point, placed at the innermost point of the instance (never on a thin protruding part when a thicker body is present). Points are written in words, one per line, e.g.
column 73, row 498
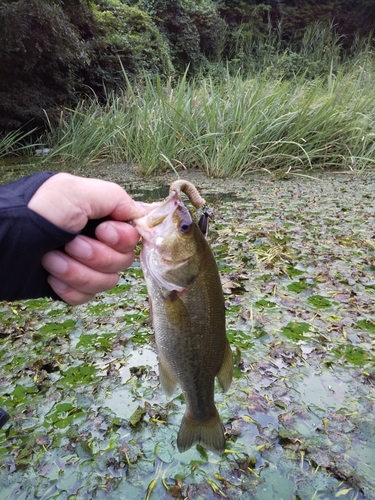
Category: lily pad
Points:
column 295, row 330
column 88, row 416
column 298, row 286
column 367, row 325
column 319, row 302
column 267, row 304
column 58, row 328
column 352, row 354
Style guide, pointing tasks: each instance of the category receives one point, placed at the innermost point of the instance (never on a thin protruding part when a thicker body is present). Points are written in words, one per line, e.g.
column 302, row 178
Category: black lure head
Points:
column 3, row 417
column 203, row 222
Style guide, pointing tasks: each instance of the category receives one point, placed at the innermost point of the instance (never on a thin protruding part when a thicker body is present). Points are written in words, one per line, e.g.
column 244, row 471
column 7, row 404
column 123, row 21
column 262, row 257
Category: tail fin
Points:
column 208, row 433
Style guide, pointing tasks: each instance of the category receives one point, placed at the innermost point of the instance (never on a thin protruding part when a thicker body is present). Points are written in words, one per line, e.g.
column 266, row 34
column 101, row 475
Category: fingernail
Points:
column 55, row 263
column 80, row 248
column 109, row 234
column 57, row 285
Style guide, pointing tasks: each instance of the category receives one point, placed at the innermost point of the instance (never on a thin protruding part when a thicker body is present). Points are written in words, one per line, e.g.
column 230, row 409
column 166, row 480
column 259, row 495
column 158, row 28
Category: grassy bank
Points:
column 228, row 126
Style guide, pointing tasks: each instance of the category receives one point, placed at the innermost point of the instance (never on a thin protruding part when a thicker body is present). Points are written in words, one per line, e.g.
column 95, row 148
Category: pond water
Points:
column 89, row 419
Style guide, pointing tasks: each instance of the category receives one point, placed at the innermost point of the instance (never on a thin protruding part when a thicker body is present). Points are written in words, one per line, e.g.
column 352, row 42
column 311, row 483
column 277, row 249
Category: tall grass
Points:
column 16, row 143
column 233, row 125
column 227, row 128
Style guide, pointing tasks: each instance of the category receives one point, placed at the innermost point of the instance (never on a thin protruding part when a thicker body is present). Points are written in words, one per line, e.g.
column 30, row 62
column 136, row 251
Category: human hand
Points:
column 88, row 266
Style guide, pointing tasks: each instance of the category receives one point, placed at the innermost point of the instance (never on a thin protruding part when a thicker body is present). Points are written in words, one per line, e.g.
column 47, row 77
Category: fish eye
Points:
column 185, row 227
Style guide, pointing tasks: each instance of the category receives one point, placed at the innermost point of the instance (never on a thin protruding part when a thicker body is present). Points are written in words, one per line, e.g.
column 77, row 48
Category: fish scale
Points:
column 188, row 317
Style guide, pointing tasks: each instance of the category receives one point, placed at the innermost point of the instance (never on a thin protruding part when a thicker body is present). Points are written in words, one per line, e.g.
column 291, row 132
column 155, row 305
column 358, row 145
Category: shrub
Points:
column 129, row 35
column 191, row 28
column 51, row 52
column 41, row 52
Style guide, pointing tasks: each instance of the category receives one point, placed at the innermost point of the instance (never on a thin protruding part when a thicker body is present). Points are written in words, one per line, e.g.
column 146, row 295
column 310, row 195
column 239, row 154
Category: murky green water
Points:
column 89, row 419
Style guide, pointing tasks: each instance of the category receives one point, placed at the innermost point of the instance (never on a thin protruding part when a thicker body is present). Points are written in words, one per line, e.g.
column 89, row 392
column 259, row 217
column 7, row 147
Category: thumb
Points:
column 69, row 201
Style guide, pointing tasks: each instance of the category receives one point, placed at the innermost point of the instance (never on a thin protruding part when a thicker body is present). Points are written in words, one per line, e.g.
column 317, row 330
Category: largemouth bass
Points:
column 188, row 317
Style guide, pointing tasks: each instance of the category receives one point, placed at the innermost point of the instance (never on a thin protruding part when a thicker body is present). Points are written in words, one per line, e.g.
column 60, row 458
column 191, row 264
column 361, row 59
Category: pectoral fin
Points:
column 175, row 310
column 225, row 373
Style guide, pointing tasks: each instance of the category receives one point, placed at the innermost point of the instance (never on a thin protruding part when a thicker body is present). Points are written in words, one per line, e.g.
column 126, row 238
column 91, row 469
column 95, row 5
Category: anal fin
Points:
column 225, row 373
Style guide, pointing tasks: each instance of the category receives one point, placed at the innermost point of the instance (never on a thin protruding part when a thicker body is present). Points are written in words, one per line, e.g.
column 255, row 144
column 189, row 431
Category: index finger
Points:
column 109, row 199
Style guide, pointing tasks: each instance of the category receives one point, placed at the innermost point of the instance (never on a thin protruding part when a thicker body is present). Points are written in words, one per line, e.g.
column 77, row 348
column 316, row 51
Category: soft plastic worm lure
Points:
column 195, row 198
column 181, row 186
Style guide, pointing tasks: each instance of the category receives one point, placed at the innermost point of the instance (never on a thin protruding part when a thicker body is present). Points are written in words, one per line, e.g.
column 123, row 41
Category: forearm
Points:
column 25, row 237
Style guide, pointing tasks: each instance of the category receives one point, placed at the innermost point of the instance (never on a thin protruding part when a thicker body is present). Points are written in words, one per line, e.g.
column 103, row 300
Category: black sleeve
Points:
column 25, row 237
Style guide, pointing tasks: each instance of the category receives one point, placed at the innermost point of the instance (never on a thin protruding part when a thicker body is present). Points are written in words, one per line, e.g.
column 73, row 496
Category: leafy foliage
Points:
column 129, row 35
column 350, row 17
column 41, row 53
column 190, row 27
column 52, row 52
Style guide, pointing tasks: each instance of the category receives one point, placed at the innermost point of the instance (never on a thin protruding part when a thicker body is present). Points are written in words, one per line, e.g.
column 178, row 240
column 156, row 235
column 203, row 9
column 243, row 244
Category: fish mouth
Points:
column 163, row 210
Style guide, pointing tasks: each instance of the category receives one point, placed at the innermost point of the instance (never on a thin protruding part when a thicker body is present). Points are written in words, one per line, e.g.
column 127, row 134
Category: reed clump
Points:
column 230, row 125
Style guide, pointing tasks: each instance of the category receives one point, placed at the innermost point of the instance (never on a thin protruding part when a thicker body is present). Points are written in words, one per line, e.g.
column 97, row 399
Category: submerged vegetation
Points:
column 89, row 418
